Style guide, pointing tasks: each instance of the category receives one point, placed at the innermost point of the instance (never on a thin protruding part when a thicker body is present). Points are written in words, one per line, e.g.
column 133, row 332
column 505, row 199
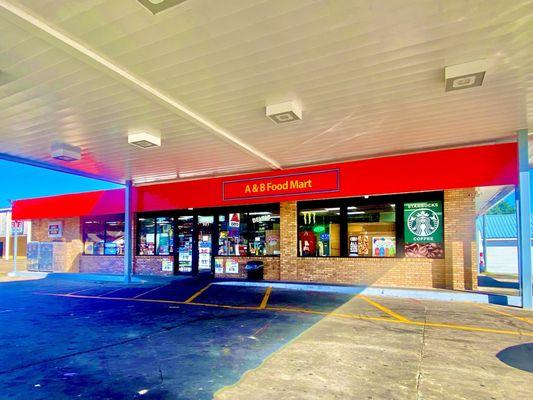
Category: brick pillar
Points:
column 459, row 237
column 288, row 241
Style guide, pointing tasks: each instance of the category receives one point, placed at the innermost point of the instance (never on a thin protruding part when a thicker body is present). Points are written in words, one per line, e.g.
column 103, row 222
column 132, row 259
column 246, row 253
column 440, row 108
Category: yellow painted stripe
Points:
column 148, row 291
column 384, row 309
column 500, row 312
column 306, row 311
column 266, row 297
column 82, row 290
column 113, row 291
column 198, row 293
column 470, row 328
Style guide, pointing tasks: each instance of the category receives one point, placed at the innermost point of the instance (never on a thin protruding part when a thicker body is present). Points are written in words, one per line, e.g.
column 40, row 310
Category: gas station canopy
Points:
column 366, row 78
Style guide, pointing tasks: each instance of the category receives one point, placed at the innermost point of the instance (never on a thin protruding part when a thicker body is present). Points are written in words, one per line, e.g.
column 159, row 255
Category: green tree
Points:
column 502, row 208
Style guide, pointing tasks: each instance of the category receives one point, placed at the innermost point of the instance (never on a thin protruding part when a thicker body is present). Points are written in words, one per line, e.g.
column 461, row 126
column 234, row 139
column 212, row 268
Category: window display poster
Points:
column 232, row 266
column 167, row 265
column 383, row 246
column 423, row 222
column 307, row 243
column 353, row 246
column 55, row 229
column 204, row 250
column 219, row 268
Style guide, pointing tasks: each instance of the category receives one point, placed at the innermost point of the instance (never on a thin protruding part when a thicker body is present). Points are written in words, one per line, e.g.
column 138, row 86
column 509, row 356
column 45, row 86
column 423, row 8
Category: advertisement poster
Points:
column 219, row 269
column 55, row 229
column 384, row 246
column 167, row 265
column 353, row 246
column 423, row 229
column 232, row 267
column 423, row 222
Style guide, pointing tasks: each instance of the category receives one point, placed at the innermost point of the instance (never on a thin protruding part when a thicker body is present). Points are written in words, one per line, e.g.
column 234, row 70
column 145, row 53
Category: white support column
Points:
column 28, row 232
column 524, row 220
column 8, row 236
column 128, row 232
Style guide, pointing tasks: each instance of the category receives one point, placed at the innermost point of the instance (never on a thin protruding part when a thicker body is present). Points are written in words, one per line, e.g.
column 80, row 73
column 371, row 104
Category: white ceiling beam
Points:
column 144, row 87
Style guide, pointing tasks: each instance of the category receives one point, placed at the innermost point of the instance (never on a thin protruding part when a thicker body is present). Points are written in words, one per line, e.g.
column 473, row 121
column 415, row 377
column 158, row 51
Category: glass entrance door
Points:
column 205, row 236
column 184, row 244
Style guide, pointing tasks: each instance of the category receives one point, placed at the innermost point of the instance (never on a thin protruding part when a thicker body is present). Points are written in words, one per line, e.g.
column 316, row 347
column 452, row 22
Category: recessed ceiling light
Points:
column 156, row 6
column 144, row 140
column 65, row 152
column 464, row 76
column 284, row 112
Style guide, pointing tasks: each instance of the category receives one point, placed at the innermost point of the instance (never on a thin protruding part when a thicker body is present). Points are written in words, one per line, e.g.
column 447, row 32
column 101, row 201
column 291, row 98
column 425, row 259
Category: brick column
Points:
column 459, row 237
column 288, row 241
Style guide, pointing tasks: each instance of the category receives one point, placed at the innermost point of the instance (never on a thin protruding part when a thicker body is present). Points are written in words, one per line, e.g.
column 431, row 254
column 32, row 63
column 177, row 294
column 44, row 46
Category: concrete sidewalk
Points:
column 347, row 359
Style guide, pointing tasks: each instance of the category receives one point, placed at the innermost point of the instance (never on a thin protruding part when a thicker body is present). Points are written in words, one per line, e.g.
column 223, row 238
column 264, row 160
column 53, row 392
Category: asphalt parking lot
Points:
column 198, row 339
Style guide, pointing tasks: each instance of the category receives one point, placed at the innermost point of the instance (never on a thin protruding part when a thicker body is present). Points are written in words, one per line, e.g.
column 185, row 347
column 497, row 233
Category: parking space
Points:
column 192, row 338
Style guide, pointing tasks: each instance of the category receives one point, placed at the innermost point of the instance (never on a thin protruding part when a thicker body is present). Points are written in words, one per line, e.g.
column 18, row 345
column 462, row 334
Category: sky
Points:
column 20, row 181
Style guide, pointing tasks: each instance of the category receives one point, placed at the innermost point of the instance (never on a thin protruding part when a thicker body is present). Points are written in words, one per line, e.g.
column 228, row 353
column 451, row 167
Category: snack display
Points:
column 424, row 250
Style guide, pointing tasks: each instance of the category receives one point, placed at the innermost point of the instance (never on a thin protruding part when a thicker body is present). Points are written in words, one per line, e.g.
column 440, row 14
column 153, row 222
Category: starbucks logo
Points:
column 423, row 222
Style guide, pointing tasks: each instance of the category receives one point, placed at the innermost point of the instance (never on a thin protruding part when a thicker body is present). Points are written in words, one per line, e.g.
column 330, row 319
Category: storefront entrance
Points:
column 194, row 244
column 183, row 259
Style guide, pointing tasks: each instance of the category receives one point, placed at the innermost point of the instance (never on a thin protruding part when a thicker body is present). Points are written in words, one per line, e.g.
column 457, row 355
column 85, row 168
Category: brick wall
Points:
column 102, row 264
column 150, row 265
column 460, row 239
column 456, row 271
column 271, row 265
column 71, row 238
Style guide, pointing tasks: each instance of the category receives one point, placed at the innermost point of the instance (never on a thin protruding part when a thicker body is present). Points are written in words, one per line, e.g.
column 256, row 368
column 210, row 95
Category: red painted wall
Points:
column 435, row 170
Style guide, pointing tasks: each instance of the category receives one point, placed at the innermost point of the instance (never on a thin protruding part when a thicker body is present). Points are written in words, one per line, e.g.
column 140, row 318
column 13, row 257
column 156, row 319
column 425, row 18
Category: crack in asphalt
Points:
column 421, row 356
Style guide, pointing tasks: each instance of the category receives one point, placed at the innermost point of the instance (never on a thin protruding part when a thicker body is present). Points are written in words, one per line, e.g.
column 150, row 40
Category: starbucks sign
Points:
column 423, row 222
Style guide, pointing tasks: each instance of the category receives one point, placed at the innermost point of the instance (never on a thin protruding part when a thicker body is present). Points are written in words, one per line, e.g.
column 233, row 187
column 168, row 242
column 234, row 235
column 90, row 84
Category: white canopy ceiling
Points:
column 369, row 75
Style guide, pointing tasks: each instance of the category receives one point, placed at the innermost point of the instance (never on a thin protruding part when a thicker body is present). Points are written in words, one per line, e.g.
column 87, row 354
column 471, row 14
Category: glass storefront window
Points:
column 264, row 233
column 254, row 233
column 103, row 235
column 165, row 236
column 319, row 232
column 93, row 236
column 233, row 235
column 146, row 236
column 371, row 230
column 114, row 241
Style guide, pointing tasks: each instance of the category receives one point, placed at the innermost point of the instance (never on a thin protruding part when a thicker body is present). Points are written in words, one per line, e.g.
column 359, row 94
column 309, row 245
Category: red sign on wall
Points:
column 282, row 185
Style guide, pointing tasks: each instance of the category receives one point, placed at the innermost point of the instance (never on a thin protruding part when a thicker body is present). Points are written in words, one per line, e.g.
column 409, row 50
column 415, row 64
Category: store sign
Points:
column 262, row 218
column 282, row 185
column 234, row 220
column 55, row 230
column 17, row 227
column 423, row 222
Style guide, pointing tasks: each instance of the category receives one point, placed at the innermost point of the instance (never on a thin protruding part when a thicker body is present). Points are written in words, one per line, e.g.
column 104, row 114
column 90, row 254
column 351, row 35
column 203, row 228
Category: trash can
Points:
column 254, row 270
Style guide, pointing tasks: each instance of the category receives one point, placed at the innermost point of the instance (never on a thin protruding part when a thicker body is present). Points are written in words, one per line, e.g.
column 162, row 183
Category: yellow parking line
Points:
column 486, row 307
column 82, row 290
column 384, row 309
column 470, row 328
column 307, row 311
column 113, row 291
column 266, row 297
column 148, row 291
column 198, row 293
